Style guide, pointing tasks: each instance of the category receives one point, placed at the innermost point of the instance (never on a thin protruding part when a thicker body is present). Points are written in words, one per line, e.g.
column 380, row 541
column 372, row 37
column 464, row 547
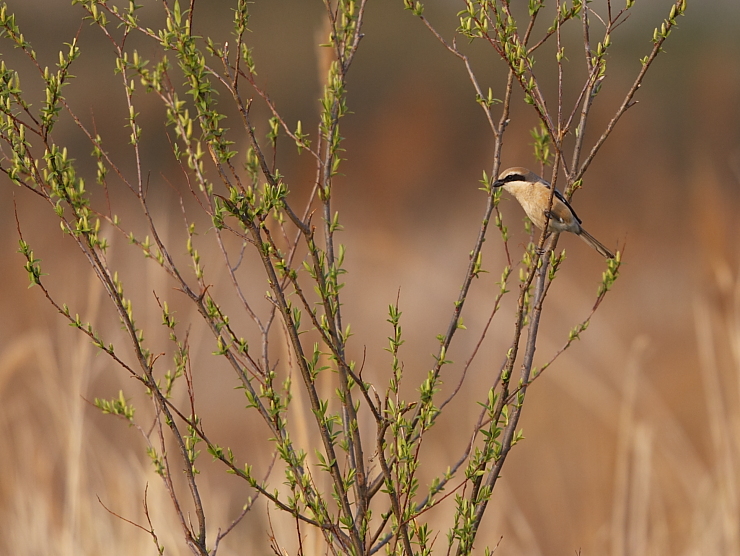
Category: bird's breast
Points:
column 535, row 200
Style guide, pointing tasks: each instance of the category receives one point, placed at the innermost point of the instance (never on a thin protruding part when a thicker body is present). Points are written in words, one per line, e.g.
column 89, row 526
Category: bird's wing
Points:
column 565, row 202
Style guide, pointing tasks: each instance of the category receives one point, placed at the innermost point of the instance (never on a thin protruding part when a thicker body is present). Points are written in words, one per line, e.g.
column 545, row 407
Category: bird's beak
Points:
column 498, row 183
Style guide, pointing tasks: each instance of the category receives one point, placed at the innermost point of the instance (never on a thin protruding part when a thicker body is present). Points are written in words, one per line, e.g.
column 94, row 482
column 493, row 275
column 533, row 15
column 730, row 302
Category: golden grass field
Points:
column 632, row 438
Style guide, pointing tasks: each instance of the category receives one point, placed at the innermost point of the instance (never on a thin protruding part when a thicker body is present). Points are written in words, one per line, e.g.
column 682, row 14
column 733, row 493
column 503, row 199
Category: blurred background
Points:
column 632, row 438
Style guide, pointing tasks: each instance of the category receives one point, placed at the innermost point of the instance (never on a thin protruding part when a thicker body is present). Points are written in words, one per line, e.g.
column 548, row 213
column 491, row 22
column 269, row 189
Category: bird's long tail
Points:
column 596, row 244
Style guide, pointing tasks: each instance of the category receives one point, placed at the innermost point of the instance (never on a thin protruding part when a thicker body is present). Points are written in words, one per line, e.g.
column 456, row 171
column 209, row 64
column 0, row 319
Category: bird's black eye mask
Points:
column 513, row 177
column 507, row 179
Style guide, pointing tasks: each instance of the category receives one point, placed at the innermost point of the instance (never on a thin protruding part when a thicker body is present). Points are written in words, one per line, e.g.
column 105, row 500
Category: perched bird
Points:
column 533, row 193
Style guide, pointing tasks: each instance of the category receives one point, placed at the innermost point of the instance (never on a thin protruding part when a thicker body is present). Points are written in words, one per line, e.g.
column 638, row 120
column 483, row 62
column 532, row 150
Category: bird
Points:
column 533, row 193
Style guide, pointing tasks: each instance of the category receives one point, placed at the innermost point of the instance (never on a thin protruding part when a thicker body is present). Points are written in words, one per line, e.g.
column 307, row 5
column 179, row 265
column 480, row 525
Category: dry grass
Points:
column 655, row 492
